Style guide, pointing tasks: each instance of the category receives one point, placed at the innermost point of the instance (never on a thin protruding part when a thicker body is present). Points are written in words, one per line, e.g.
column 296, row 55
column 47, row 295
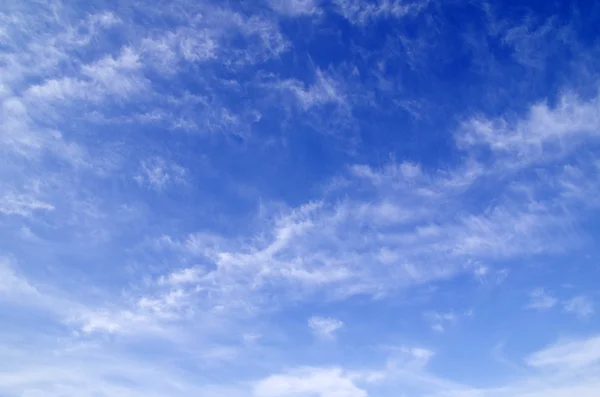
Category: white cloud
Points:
column 197, row 46
column 440, row 321
column 220, row 353
column 322, row 382
column 108, row 76
column 580, row 305
column 99, row 321
column 539, row 299
column 324, row 327
column 208, row 38
column 41, row 97
column 158, row 173
column 188, row 275
column 362, row 11
column 295, row 7
column 420, row 354
column 19, row 290
column 569, row 354
column 149, row 313
column 22, row 204
column 532, row 44
column 22, row 136
column 564, row 369
column 487, row 275
column 406, row 237
column 546, row 133
column 38, row 92
column 324, row 90
column 264, row 37
column 408, row 358
column 65, row 366
column 12, row 285
column 60, row 89
column 386, row 228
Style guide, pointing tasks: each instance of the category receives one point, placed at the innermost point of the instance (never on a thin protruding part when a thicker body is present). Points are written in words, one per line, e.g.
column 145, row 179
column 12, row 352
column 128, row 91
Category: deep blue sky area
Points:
column 299, row 198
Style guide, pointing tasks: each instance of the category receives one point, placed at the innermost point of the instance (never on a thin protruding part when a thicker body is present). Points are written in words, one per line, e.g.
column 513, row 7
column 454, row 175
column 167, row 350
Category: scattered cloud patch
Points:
column 188, row 275
column 157, row 174
column 13, row 286
column 440, row 321
column 322, row 91
column 362, row 12
column 541, row 300
column 22, row 204
column 324, row 327
column 569, row 354
column 580, row 305
column 545, row 134
column 296, row 7
column 322, row 382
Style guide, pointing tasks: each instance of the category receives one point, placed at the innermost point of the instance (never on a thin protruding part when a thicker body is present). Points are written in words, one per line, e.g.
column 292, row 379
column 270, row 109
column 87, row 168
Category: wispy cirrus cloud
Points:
column 12, row 284
column 324, row 327
column 22, row 204
column 547, row 133
column 580, row 305
column 362, row 12
column 573, row 354
column 323, row 91
column 157, row 174
column 296, row 7
column 541, row 300
column 398, row 236
column 353, row 158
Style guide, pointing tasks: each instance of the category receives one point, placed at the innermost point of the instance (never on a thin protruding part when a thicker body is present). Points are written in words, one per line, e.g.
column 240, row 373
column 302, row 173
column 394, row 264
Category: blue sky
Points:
column 299, row 198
